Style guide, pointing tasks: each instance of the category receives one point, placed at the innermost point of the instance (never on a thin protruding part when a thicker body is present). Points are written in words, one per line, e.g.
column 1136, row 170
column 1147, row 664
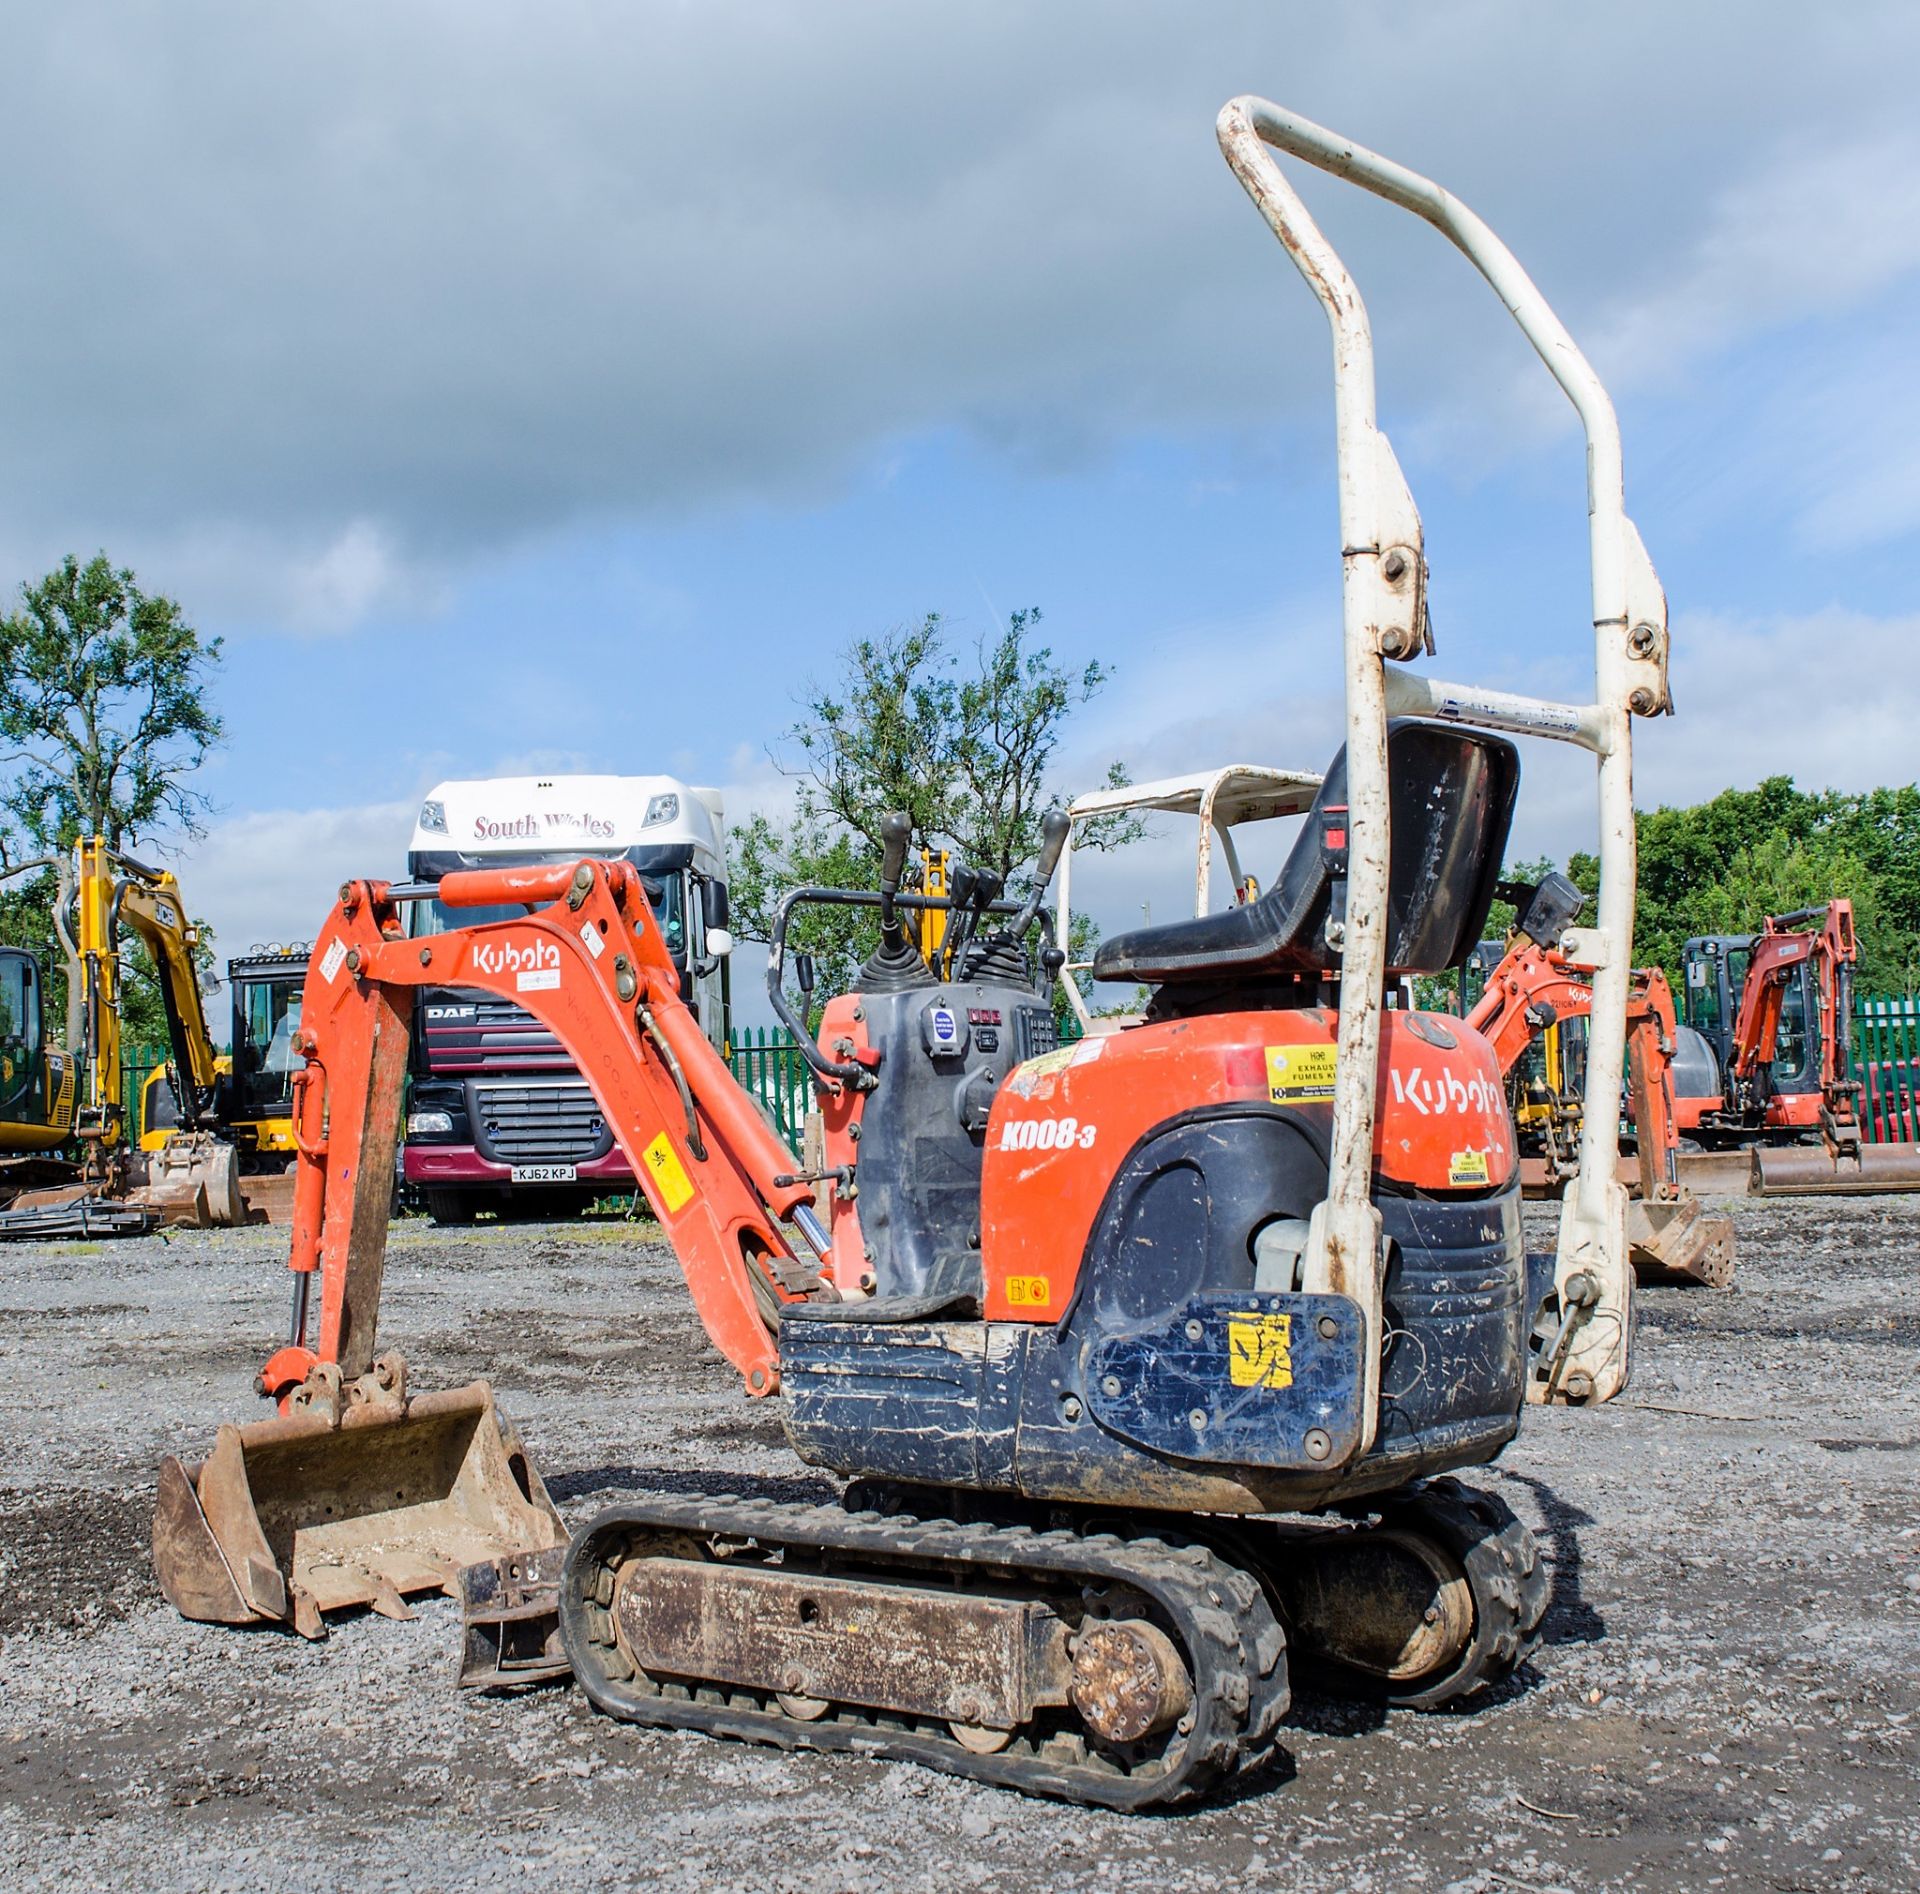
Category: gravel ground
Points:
column 1726, row 1698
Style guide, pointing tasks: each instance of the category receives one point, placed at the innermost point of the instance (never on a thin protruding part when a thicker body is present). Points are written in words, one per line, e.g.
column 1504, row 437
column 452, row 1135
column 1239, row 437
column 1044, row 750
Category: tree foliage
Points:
column 965, row 750
column 104, row 721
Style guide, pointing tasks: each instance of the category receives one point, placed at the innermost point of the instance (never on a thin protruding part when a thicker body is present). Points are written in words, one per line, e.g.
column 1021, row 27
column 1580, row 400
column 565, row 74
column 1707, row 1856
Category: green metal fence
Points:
column 136, row 1064
column 768, row 1063
column 1886, row 1061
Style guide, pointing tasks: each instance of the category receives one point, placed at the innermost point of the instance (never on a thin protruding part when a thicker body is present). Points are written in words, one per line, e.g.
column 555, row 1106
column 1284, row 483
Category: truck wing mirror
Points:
column 719, row 943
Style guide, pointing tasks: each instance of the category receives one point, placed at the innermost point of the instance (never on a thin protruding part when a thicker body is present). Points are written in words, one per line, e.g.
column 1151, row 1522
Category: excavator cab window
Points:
column 1796, row 1051
column 1715, row 969
column 266, row 1016
column 19, row 1028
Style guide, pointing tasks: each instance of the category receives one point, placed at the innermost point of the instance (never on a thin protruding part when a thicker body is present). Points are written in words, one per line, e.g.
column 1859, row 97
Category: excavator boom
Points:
column 356, row 1493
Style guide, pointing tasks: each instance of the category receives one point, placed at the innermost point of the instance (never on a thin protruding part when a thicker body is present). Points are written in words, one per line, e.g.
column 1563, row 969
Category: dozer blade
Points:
column 1811, row 1170
column 358, row 1496
column 1681, row 1241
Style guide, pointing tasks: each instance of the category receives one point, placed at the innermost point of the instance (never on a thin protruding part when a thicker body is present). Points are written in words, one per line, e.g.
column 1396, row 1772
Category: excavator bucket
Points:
column 1680, row 1241
column 360, row 1500
column 194, row 1180
column 1814, row 1170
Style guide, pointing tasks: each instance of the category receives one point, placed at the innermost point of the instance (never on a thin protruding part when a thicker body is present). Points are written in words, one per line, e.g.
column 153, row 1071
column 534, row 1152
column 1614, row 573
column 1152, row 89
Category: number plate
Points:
column 545, row 1174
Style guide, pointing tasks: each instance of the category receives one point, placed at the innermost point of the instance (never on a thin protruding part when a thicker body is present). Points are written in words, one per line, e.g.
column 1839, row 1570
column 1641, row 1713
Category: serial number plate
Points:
column 545, row 1174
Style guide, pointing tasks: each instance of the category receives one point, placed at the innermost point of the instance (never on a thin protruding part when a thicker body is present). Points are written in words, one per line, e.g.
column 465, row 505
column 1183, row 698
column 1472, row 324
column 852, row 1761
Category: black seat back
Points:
column 1451, row 794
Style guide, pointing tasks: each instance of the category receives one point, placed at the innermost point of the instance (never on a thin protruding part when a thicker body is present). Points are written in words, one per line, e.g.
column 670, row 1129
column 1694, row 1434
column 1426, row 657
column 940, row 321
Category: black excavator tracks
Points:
column 1215, row 1617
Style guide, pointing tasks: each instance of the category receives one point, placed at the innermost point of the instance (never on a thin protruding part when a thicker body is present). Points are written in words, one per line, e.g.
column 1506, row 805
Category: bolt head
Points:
column 1197, row 1420
column 1110, row 1385
column 1317, row 1443
column 1641, row 702
column 1328, row 1328
column 1195, row 1330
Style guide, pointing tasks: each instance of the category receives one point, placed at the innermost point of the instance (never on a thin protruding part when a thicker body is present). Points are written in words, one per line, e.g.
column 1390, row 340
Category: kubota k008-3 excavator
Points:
column 1141, row 1353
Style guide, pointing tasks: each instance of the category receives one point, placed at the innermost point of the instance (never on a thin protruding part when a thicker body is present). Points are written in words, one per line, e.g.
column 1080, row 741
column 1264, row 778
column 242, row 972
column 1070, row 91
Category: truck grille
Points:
column 468, row 1032
column 552, row 1122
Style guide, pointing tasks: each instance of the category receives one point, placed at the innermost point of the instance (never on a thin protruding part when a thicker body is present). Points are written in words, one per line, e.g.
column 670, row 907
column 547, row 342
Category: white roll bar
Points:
column 1384, row 613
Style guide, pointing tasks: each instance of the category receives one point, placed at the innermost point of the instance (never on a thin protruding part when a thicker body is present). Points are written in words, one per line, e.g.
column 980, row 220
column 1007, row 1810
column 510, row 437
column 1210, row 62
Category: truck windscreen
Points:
column 663, row 896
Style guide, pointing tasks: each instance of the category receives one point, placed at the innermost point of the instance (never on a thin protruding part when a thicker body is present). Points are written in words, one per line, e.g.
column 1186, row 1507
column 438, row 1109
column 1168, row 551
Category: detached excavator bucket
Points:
column 358, row 1500
column 194, row 1180
column 1813, row 1170
column 1680, row 1241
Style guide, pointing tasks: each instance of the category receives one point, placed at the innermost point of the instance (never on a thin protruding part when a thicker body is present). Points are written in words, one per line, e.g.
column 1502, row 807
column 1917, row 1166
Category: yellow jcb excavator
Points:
column 52, row 1100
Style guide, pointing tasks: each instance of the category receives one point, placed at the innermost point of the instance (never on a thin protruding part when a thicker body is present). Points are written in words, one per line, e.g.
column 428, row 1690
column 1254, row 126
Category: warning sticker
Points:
column 331, row 959
column 1467, row 1167
column 536, row 980
column 1023, row 1079
column 1298, row 1075
column 1029, row 1292
column 670, row 1175
column 591, row 936
column 1260, row 1350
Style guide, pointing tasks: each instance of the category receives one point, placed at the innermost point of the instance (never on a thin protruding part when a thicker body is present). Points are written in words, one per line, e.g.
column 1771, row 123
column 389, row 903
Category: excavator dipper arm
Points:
column 593, row 968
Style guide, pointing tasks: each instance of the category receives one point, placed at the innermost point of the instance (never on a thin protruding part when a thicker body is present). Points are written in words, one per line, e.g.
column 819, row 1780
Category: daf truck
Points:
column 498, row 1118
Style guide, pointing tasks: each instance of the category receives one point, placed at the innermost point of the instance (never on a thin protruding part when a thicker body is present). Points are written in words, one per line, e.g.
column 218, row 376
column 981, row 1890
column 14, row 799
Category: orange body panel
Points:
column 843, row 1036
column 1064, row 1123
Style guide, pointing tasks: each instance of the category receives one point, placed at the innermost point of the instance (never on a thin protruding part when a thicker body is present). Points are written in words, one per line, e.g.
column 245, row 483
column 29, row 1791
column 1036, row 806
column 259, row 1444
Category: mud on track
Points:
column 1729, row 1696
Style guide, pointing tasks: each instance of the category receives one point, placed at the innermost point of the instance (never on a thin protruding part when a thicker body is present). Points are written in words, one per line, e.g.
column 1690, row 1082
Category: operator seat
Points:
column 1451, row 792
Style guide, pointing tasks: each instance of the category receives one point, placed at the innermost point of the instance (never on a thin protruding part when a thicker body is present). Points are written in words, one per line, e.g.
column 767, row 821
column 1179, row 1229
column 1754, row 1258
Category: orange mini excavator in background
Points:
column 1765, row 1059
column 1147, row 1357
column 1536, row 986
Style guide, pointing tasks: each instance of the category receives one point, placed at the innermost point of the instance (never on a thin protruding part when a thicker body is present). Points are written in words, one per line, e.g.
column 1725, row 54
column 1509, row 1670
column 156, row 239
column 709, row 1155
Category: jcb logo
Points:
column 1260, row 1350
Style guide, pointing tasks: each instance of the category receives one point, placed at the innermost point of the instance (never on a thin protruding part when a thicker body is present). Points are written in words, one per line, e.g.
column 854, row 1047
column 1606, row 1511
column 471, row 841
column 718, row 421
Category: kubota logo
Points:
column 513, row 956
column 1443, row 1093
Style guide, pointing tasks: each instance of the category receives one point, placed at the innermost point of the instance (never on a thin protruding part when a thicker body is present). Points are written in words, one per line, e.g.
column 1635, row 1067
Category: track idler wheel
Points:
column 1442, row 1597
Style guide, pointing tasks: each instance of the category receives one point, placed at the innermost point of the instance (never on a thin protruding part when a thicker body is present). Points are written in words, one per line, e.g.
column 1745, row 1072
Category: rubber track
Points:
column 1233, row 1645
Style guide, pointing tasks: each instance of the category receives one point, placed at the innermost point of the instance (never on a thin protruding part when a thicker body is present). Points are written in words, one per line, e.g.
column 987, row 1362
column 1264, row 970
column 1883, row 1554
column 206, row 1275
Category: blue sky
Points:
column 563, row 387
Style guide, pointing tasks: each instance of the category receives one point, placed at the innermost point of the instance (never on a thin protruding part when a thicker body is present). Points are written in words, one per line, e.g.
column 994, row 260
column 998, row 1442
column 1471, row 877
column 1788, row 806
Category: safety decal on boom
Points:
column 1259, row 1349
column 1029, row 1292
column 1299, row 1075
column 669, row 1175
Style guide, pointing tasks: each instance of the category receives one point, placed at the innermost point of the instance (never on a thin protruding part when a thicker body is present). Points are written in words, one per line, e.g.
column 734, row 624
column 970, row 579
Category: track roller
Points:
column 1119, row 1672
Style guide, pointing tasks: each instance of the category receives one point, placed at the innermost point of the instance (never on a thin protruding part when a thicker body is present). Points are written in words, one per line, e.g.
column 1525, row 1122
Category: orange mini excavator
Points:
column 1147, row 1356
column 1535, row 986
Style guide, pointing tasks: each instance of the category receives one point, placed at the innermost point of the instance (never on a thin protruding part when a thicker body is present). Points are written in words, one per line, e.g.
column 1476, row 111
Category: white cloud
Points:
column 275, row 874
column 398, row 286
column 1815, row 229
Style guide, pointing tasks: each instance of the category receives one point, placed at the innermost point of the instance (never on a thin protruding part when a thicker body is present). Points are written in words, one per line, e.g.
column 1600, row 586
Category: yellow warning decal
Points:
column 1300, row 1074
column 676, row 1187
column 1260, row 1350
column 1468, row 1167
column 1029, row 1292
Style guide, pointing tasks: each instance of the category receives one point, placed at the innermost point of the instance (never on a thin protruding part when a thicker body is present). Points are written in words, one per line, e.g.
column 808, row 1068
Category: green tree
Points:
column 104, row 721
column 966, row 753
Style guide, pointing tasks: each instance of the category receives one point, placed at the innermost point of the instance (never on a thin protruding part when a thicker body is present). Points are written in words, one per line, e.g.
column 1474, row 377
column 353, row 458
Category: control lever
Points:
column 1053, row 838
column 896, row 830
